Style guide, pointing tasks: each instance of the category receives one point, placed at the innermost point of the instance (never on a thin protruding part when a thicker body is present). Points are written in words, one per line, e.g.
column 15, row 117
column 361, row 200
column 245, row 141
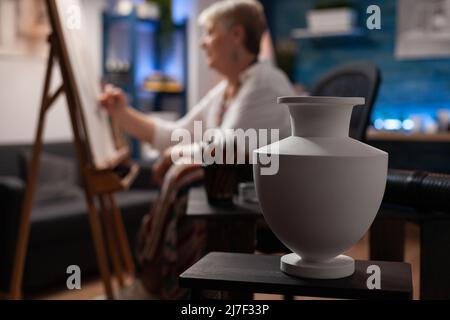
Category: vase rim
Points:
column 353, row 101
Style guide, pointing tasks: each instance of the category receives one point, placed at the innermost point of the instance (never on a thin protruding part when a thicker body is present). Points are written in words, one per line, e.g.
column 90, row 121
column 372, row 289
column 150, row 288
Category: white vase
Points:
column 327, row 190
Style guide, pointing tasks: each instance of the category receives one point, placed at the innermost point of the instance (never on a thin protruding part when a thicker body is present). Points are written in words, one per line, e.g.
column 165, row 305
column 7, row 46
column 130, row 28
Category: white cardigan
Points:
column 255, row 106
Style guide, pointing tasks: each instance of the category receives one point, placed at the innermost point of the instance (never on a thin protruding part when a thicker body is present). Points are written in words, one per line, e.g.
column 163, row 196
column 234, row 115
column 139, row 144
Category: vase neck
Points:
column 320, row 120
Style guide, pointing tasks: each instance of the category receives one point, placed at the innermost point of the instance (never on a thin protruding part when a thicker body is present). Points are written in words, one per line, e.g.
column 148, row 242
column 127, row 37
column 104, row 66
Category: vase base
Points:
column 340, row 267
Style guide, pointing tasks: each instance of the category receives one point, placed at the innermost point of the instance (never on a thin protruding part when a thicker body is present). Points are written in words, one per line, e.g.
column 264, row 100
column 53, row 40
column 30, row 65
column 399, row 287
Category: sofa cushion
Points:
column 9, row 153
column 57, row 178
column 60, row 235
column 63, row 221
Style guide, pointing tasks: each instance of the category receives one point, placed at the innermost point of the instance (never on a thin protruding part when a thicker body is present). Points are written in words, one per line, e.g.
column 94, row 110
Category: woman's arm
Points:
column 137, row 124
column 156, row 131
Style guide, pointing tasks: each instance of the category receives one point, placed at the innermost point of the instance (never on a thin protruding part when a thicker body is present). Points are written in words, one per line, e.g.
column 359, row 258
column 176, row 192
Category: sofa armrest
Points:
column 12, row 190
column 144, row 180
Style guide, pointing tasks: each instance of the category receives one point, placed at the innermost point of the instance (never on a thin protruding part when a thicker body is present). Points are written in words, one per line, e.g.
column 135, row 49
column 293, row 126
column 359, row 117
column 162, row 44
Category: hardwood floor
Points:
column 94, row 289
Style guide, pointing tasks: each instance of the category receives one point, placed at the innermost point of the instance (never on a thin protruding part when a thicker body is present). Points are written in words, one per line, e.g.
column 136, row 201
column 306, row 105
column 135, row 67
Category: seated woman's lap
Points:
column 168, row 241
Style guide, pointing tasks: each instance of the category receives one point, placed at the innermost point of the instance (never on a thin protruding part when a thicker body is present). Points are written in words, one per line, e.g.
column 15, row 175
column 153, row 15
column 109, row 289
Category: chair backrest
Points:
column 359, row 79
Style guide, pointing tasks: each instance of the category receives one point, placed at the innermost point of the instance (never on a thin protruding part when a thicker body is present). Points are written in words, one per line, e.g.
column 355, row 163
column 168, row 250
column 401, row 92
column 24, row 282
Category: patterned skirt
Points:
column 169, row 242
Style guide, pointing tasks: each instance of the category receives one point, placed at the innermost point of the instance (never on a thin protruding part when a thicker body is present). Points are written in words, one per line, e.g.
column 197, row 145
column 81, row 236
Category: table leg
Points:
column 232, row 236
column 435, row 259
column 387, row 239
column 196, row 294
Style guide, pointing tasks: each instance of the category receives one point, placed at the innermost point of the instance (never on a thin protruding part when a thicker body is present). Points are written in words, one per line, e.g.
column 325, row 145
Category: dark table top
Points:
column 198, row 207
column 262, row 274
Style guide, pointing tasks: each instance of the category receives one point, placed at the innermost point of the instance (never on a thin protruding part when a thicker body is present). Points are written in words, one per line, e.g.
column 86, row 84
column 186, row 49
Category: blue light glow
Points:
column 392, row 124
column 146, row 60
column 180, row 10
column 378, row 124
column 408, row 124
column 172, row 63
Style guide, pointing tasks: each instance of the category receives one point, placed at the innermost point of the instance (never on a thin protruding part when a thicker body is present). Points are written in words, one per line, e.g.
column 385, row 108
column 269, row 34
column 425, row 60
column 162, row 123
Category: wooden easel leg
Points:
column 24, row 227
column 124, row 246
column 111, row 238
column 99, row 245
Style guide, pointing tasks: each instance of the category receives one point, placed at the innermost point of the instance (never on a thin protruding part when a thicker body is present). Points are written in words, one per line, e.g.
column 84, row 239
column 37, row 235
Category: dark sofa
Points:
column 60, row 232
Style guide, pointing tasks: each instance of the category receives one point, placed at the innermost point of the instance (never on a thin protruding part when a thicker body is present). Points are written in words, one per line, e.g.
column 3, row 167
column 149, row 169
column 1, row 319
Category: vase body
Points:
column 328, row 187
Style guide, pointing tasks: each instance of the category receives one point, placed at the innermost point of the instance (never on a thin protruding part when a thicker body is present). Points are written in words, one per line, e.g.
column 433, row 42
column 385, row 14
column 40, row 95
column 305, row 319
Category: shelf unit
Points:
column 375, row 135
column 139, row 42
column 309, row 34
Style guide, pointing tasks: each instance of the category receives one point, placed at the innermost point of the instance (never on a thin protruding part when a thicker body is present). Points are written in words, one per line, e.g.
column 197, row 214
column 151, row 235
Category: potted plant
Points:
column 286, row 52
column 165, row 13
column 332, row 16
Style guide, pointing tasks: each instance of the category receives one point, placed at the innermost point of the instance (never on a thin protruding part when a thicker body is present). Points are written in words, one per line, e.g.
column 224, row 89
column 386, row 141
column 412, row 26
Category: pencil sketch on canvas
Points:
column 87, row 79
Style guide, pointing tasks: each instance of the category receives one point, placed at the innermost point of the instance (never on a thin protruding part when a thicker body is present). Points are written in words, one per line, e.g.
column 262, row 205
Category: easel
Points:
column 98, row 183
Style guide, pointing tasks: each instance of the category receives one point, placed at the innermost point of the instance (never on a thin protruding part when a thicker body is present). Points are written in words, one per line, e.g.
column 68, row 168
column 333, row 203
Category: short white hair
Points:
column 247, row 13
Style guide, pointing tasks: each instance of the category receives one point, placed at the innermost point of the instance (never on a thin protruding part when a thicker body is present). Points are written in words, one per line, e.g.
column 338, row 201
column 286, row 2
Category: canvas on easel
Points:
column 104, row 160
column 73, row 31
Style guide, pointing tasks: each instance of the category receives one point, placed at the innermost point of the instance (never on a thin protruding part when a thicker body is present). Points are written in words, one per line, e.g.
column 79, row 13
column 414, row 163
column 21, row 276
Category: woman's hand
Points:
column 113, row 100
column 161, row 166
column 130, row 120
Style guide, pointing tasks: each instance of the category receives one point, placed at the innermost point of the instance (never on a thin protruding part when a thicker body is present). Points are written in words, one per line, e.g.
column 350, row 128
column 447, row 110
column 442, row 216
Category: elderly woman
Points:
column 246, row 98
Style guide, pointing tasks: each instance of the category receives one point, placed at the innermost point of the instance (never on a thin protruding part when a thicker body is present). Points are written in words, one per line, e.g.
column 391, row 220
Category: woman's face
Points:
column 220, row 45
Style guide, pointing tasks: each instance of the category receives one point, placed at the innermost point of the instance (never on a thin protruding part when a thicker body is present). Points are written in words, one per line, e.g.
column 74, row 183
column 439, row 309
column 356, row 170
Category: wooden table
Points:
column 387, row 242
column 231, row 228
column 261, row 274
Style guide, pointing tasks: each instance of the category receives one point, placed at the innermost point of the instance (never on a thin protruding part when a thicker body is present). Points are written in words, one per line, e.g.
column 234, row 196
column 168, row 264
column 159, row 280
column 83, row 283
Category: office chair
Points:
column 358, row 79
